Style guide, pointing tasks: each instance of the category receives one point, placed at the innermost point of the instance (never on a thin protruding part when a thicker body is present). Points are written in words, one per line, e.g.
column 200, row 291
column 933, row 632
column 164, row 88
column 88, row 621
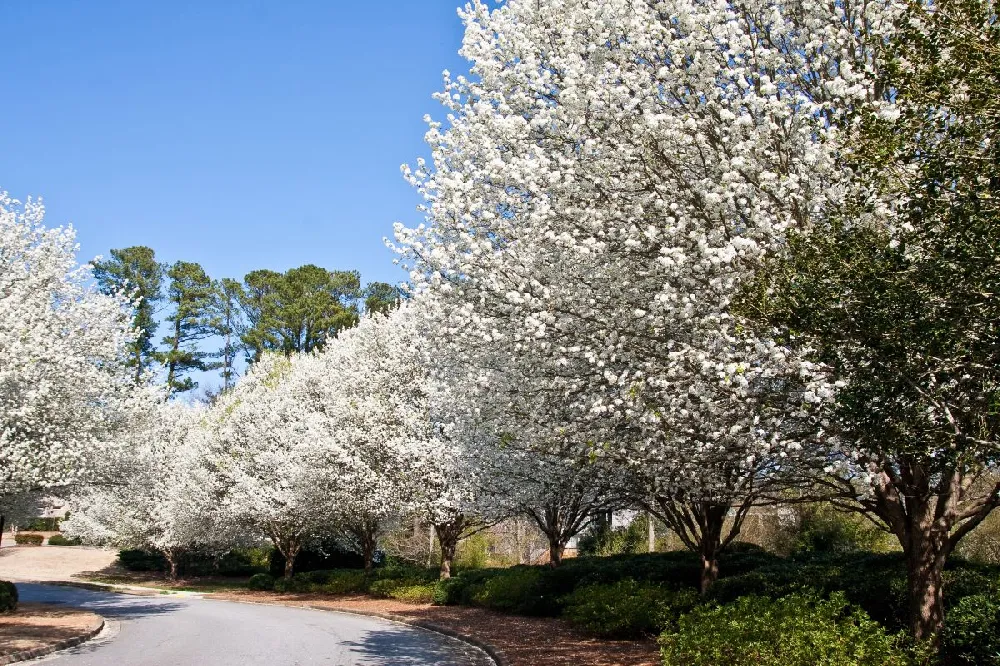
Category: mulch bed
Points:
column 526, row 641
column 38, row 626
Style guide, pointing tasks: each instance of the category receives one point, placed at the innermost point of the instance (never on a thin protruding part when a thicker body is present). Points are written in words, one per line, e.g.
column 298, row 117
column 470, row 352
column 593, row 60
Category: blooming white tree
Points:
column 64, row 392
column 262, row 447
column 157, row 495
column 610, row 174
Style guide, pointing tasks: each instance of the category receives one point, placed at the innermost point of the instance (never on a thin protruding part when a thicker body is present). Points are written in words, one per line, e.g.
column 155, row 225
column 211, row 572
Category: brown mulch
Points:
column 34, row 626
column 527, row 641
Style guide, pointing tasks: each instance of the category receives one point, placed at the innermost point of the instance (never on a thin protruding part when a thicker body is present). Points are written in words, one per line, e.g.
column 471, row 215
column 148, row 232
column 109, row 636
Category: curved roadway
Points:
column 174, row 630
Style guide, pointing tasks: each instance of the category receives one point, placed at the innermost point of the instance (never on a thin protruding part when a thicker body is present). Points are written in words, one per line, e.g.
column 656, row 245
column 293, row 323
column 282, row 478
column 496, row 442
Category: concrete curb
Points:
column 497, row 655
column 34, row 653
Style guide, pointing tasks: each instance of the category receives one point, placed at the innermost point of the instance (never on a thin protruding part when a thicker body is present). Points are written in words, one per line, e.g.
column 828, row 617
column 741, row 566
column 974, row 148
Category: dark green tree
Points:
column 228, row 324
column 905, row 311
column 381, row 297
column 192, row 294
column 135, row 271
column 299, row 310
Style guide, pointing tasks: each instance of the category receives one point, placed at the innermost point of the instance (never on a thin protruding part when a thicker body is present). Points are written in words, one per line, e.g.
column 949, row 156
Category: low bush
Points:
column 972, row 632
column 243, row 562
column 408, row 591
column 8, row 596
column 346, row 581
column 43, row 525
column 28, row 539
column 261, row 581
column 142, row 560
column 796, row 630
column 60, row 540
column 627, row 609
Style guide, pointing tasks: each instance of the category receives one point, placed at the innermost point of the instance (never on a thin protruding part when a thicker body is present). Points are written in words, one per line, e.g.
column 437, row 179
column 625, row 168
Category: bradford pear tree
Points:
column 65, row 391
column 157, row 494
column 609, row 175
column 262, row 446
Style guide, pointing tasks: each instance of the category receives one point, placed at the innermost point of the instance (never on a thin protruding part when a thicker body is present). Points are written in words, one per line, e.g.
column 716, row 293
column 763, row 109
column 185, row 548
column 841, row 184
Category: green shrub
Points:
column 28, row 539
column 972, row 632
column 823, row 529
column 627, row 609
column 43, row 525
column 142, row 560
column 345, row 581
column 243, row 562
column 261, row 581
column 602, row 539
column 520, row 590
column 60, row 540
column 797, row 630
column 413, row 594
column 8, row 596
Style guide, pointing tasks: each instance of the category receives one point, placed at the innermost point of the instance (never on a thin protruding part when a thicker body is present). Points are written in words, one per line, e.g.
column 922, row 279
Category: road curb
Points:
column 64, row 644
column 497, row 655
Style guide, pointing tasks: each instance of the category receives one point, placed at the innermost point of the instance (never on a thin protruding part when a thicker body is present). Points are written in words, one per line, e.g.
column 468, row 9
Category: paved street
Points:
column 179, row 631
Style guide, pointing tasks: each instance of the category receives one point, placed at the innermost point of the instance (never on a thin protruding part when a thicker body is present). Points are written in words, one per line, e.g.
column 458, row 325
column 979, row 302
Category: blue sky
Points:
column 240, row 135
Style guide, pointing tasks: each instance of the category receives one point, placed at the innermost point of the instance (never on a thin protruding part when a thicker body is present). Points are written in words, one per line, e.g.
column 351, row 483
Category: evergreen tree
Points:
column 192, row 295
column 299, row 310
column 227, row 321
column 381, row 297
column 135, row 271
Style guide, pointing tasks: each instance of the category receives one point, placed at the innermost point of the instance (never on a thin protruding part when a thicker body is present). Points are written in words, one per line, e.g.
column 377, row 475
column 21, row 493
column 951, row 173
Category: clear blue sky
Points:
column 240, row 135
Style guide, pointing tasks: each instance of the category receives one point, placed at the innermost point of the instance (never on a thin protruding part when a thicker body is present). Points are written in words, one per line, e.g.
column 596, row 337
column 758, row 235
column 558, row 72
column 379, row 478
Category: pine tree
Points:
column 135, row 271
column 191, row 294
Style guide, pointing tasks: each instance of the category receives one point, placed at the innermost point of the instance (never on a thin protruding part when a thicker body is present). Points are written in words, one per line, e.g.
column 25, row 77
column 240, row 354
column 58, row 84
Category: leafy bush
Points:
column 60, row 540
column 243, row 562
column 43, row 525
column 261, row 581
column 409, row 591
column 8, row 596
column 602, row 539
column 823, row 529
column 627, row 609
column 142, row 560
column 797, row 630
column 347, row 581
column 972, row 632
column 28, row 539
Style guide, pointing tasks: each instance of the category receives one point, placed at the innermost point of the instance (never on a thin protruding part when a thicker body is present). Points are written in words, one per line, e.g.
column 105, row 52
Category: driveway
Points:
column 172, row 630
column 38, row 563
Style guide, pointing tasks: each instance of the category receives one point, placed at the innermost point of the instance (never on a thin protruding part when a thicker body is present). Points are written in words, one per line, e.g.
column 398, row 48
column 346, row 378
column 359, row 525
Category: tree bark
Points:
column 924, row 574
column 448, row 535
column 3, row 523
column 556, row 550
column 172, row 563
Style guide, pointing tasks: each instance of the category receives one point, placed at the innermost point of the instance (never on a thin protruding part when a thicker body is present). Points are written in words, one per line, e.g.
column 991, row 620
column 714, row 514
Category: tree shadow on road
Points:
column 413, row 647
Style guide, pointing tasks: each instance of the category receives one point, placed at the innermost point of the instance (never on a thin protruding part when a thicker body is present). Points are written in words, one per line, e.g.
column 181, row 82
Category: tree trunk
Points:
column 172, row 562
column 556, row 550
column 924, row 575
column 430, row 545
column 448, row 535
column 289, row 566
column 650, row 533
column 713, row 520
column 290, row 550
column 3, row 522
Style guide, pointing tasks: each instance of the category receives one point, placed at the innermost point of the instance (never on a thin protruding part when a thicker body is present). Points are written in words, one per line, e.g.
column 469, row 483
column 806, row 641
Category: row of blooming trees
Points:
column 688, row 256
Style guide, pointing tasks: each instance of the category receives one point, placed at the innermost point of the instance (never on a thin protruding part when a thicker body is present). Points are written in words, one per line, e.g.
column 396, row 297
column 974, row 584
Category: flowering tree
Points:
column 262, row 446
column 64, row 391
column 609, row 176
column 159, row 497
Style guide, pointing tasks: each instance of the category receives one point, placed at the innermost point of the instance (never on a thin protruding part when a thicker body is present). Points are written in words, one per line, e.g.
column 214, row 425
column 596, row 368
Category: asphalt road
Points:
column 178, row 631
